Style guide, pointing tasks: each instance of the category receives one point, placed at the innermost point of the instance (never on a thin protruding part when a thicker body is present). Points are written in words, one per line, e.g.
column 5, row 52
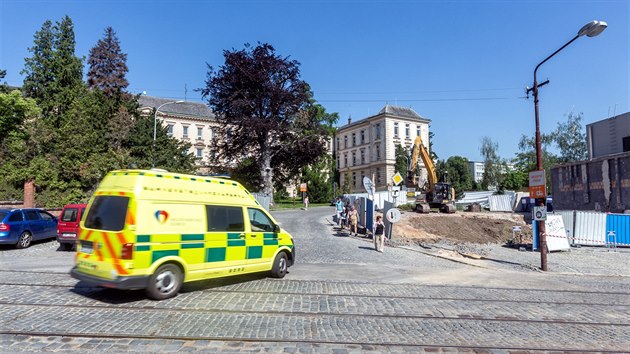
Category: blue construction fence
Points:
column 587, row 228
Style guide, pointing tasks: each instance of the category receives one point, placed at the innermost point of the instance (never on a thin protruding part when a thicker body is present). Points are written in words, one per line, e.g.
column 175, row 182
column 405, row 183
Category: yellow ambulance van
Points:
column 154, row 230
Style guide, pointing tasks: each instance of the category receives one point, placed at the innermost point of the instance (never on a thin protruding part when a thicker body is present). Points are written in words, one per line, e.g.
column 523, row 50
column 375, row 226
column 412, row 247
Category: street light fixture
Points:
column 155, row 126
column 591, row 29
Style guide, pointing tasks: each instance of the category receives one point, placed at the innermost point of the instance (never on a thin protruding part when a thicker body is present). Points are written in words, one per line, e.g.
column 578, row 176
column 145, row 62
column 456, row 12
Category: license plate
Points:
column 86, row 247
column 69, row 235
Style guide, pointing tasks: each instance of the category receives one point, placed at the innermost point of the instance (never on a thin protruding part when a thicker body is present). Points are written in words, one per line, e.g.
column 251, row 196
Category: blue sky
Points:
column 462, row 64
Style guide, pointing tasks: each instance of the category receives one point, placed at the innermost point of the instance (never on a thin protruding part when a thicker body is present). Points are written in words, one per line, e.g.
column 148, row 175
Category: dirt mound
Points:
column 463, row 227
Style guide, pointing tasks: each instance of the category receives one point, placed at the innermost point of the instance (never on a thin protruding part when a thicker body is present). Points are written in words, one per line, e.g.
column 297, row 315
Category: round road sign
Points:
column 393, row 215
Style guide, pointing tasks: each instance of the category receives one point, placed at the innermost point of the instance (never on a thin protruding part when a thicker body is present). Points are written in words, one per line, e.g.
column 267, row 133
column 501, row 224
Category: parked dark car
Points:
column 68, row 225
column 20, row 227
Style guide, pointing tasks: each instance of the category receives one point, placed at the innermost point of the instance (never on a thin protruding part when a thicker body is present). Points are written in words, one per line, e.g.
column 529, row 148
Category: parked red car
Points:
column 68, row 225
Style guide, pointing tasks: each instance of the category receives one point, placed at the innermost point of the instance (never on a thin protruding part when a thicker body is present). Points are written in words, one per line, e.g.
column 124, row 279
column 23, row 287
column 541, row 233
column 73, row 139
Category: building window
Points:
column 626, row 143
column 362, row 157
column 354, row 158
column 396, row 130
column 199, row 153
column 378, row 175
column 418, row 130
column 199, row 132
column 338, row 162
column 362, row 136
column 345, row 141
column 362, row 176
column 354, row 139
column 169, row 130
column 377, row 131
column 407, row 131
column 338, row 144
column 378, row 151
column 345, row 160
column 354, row 179
column 185, row 131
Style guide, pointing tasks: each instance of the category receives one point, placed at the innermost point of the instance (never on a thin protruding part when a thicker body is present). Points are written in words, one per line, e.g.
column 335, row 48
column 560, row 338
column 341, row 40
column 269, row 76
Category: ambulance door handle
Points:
column 241, row 235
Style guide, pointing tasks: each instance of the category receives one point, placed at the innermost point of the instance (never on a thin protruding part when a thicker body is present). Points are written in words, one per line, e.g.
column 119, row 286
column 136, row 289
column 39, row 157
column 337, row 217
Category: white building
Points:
column 608, row 136
column 367, row 147
column 476, row 170
column 191, row 122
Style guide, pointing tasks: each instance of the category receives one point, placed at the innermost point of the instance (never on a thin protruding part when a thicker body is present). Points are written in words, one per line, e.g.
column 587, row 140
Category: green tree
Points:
column 525, row 160
column 263, row 109
column 402, row 159
column 493, row 164
column 345, row 188
column 4, row 87
column 305, row 142
column 456, row 170
column 570, row 138
column 169, row 153
column 318, row 178
column 16, row 112
column 108, row 65
column 432, row 153
column 39, row 82
column 514, row 180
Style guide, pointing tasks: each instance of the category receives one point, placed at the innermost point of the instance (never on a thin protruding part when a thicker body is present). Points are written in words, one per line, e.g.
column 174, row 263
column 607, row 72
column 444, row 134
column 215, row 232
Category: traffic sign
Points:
column 397, row 179
column 303, row 187
column 540, row 213
column 393, row 215
column 368, row 185
column 537, row 184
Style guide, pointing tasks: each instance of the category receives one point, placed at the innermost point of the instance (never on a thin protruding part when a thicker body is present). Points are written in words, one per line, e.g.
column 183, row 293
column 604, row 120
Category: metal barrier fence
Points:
column 589, row 228
column 263, row 199
column 380, row 198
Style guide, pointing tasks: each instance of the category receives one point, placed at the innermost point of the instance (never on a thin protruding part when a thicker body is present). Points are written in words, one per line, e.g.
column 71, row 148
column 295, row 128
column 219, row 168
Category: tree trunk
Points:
column 267, row 173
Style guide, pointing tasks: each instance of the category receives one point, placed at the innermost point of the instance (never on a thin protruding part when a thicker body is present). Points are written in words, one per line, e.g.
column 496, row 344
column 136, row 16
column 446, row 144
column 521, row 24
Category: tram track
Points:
column 371, row 345
column 318, row 314
column 395, row 297
column 370, row 283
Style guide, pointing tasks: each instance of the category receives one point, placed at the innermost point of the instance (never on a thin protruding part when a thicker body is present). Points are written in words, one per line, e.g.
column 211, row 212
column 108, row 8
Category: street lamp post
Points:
column 155, row 127
column 591, row 29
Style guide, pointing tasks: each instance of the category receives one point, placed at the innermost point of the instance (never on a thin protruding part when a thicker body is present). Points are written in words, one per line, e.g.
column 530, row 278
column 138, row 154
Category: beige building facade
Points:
column 190, row 122
column 367, row 147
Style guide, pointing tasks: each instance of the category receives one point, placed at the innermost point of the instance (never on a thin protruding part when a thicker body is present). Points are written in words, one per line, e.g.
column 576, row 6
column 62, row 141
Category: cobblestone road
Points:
column 341, row 297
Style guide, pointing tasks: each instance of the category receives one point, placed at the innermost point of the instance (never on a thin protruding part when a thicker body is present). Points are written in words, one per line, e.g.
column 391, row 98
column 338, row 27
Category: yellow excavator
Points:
column 433, row 194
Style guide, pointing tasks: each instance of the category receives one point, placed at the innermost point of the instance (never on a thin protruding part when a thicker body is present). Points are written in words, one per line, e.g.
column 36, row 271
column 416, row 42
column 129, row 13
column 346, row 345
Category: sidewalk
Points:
column 578, row 261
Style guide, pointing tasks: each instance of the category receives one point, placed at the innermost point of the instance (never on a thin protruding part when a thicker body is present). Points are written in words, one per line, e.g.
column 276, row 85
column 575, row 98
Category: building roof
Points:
column 400, row 111
column 395, row 111
column 191, row 109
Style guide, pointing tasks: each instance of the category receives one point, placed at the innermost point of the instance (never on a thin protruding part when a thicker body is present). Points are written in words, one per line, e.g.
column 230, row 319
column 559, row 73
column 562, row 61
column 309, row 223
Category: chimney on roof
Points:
column 349, row 119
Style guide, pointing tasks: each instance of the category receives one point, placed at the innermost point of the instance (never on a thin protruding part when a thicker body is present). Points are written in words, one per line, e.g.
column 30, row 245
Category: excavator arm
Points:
column 420, row 151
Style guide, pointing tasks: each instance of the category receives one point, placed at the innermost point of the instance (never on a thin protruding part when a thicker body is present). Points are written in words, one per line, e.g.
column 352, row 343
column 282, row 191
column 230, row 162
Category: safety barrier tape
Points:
column 588, row 240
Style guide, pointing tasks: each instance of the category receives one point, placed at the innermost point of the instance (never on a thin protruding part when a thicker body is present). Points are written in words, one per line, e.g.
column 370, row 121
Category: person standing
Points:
column 339, row 206
column 379, row 231
column 353, row 217
column 306, row 202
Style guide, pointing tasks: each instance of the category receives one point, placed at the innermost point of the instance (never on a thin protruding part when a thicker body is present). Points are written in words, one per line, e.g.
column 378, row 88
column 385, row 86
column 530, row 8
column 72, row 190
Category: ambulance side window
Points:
column 224, row 218
column 259, row 221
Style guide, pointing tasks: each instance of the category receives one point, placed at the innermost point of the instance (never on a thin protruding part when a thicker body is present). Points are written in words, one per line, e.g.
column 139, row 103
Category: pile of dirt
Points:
column 463, row 227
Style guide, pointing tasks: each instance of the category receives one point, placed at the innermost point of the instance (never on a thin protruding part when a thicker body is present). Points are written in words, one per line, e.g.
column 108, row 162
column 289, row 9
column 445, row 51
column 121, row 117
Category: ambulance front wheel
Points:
column 165, row 282
column 280, row 264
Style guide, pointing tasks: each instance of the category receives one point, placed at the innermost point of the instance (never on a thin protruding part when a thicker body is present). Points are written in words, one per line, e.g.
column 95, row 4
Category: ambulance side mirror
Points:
column 276, row 228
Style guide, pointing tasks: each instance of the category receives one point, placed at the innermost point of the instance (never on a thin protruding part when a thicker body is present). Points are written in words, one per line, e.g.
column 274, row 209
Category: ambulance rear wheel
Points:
column 165, row 282
column 280, row 264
